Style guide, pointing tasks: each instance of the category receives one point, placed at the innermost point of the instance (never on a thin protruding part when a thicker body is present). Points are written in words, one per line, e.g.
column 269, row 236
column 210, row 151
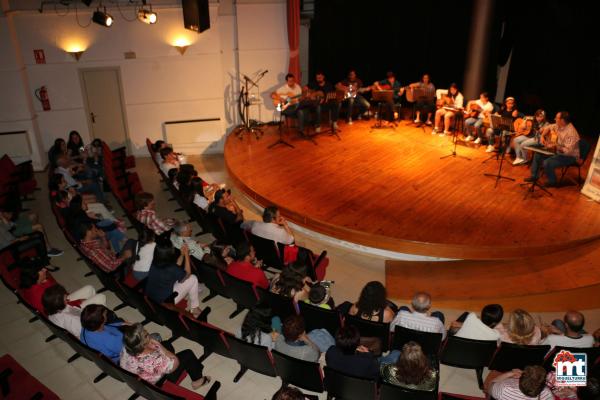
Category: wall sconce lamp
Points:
column 182, row 48
column 76, row 54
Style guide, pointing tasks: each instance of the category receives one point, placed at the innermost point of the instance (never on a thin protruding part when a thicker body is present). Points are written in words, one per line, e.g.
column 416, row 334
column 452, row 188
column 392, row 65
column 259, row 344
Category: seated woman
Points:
column 57, row 183
column 411, row 371
column 146, row 214
column 196, row 193
column 260, row 327
column 101, row 334
column 151, row 361
column 167, row 277
column 521, row 329
column 75, row 147
column 35, row 280
column 64, row 309
column 77, row 214
column 229, row 212
column 349, row 357
column 156, row 147
column 292, row 282
column 295, row 342
column 372, row 304
column 144, row 254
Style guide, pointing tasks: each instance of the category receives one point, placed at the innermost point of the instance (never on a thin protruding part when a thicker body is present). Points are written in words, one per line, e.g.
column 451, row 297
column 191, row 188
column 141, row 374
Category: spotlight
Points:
column 147, row 16
column 102, row 18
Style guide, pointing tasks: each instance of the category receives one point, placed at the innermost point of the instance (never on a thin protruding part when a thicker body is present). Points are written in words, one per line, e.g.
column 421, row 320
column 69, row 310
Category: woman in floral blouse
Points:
column 151, row 361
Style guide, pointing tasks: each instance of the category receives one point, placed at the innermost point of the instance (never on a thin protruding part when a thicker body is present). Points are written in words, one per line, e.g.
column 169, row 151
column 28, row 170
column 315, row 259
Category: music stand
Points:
column 383, row 97
column 280, row 139
column 504, row 124
column 455, row 140
column 332, row 131
column 244, row 108
column 420, row 95
column 535, row 183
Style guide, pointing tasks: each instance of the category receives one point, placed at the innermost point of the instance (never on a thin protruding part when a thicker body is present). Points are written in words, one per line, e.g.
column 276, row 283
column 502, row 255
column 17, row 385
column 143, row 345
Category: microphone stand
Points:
column 244, row 108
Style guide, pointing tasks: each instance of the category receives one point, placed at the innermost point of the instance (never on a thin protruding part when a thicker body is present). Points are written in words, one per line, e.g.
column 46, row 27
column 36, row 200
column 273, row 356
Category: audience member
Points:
column 150, row 360
column 171, row 275
column 94, row 246
column 521, row 385
column 182, row 234
column 420, row 318
column 349, row 357
column 156, row 148
column 144, row 254
column 295, row 342
column 468, row 326
column 412, row 370
column 146, row 214
column 82, row 186
column 229, row 212
column 196, row 194
column 75, row 146
column 169, row 159
column 247, row 267
column 292, row 282
column 521, row 329
column 273, row 227
column 372, row 304
column 260, row 327
column 64, row 309
column 15, row 227
column 101, row 334
column 319, row 296
column 573, row 336
column 58, row 149
column 288, row 393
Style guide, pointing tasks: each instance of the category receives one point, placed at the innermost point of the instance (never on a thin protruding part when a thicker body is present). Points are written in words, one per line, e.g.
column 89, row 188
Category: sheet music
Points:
column 541, row 150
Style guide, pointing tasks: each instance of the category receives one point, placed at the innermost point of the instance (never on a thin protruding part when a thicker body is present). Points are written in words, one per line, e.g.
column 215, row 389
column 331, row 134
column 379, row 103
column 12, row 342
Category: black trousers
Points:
column 188, row 362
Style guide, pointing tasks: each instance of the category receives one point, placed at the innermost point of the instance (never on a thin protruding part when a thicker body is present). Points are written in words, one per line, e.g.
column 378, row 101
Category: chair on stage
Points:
column 584, row 151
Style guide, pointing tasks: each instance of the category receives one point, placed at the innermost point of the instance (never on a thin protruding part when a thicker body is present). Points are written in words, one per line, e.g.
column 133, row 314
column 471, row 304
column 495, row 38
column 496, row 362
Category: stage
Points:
column 389, row 189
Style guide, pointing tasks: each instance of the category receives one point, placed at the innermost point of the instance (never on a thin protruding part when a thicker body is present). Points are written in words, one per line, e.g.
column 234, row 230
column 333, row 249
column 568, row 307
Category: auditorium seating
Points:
column 303, row 374
column 393, row 392
column 430, row 342
column 318, row 317
column 511, row 356
column 251, row 356
column 468, row 354
column 371, row 329
column 346, row 387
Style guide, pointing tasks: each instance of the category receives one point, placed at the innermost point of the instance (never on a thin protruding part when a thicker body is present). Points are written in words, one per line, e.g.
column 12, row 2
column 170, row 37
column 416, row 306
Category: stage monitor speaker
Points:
column 195, row 15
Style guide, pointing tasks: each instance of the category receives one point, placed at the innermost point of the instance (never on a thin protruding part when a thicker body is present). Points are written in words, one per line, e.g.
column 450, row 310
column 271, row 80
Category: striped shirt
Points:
column 567, row 141
column 152, row 222
column 509, row 390
column 419, row 322
column 99, row 253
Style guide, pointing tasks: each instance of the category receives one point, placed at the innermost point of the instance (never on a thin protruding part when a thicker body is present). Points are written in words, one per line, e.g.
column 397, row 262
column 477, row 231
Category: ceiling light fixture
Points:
column 102, row 17
column 147, row 16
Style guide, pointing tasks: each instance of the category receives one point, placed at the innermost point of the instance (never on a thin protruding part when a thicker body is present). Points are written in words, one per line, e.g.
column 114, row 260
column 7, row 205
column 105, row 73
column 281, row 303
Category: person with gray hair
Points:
column 420, row 318
column 150, row 360
column 182, row 234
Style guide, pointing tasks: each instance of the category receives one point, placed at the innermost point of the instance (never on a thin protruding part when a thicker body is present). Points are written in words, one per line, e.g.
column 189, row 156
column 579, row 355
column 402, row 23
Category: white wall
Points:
column 159, row 85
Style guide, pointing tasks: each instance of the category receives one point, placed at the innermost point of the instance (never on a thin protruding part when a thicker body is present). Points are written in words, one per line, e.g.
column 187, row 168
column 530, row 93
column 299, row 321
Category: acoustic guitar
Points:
column 321, row 97
column 550, row 139
column 445, row 101
column 523, row 126
column 283, row 101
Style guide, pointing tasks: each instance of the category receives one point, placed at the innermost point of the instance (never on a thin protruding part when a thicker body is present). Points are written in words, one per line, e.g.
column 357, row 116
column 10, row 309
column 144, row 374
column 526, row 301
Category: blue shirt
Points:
column 108, row 341
column 395, row 87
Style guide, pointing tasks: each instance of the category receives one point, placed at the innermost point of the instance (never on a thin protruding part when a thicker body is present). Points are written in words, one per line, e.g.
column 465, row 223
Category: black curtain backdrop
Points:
column 409, row 38
column 555, row 46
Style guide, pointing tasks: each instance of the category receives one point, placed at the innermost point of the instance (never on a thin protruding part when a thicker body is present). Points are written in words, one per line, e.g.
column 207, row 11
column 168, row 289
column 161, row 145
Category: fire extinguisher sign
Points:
column 40, row 57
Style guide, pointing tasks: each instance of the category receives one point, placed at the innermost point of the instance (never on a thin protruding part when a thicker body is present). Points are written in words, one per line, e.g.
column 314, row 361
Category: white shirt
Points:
column 565, row 341
column 271, row 231
column 69, row 319
column 418, row 322
column 165, row 167
column 196, row 250
column 458, row 100
column 473, row 328
column 146, row 254
column 509, row 390
column 66, row 173
column 486, row 108
column 200, row 201
column 294, row 91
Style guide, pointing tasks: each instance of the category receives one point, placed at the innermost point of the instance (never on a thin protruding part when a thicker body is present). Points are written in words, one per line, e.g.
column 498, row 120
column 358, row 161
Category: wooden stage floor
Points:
column 389, row 189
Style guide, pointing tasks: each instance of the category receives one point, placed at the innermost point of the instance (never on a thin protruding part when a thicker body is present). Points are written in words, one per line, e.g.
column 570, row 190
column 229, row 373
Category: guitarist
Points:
column 508, row 110
column 476, row 111
column 289, row 96
column 390, row 83
column 453, row 98
column 567, row 149
column 351, row 87
column 426, row 102
column 530, row 138
column 323, row 93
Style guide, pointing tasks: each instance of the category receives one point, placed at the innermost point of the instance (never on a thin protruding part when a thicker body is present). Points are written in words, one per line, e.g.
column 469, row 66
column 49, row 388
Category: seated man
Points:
column 15, row 227
column 246, row 267
column 324, row 102
column 182, row 234
column 296, row 343
column 350, row 357
column 389, row 83
column 146, row 214
column 468, row 326
column 572, row 337
column 84, row 186
column 95, row 246
column 169, row 160
column 517, row 384
column 274, row 227
column 288, row 97
column 420, row 318
column 229, row 212
column 567, row 149
column 352, row 87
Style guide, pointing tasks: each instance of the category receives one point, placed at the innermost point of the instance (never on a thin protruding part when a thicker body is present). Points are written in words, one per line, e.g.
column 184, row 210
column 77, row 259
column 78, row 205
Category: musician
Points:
column 426, row 102
column 351, row 86
column 477, row 110
column 324, row 101
column 531, row 139
column 390, row 83
column 451, row 97
column 567, row 148
column 291, row 92
column 508, row 110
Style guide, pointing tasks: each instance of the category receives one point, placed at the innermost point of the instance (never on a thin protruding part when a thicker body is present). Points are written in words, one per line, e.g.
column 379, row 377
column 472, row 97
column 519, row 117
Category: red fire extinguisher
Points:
column 42, row 96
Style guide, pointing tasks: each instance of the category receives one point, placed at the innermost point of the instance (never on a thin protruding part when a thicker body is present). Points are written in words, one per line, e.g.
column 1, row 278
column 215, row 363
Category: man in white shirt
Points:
column 420, row 318
column 182, row 234
column 480, row 329
column 169, row 158
column 574, row 321
column 289, row 96
column 274, row 227
column 473, row 124
column 521, row 385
